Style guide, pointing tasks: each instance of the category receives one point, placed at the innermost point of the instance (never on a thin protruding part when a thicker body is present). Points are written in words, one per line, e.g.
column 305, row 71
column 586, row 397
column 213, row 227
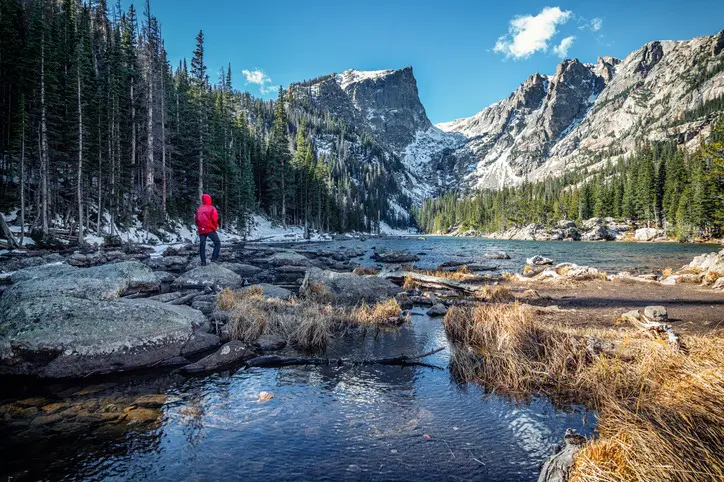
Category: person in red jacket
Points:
column 207, row 222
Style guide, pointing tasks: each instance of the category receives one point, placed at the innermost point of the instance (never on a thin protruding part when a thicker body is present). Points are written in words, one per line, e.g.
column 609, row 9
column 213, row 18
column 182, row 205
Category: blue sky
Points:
column 465, row 54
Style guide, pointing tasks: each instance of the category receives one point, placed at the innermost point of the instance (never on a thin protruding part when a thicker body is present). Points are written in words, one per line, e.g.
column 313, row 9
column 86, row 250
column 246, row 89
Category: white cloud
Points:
column 561, row 49
column 596, row 24
column 528, row 34
column 258, row 77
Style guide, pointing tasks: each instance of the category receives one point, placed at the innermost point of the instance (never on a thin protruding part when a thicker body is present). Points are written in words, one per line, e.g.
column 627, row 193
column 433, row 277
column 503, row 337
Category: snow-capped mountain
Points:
column 548, row 125
column 569, row 120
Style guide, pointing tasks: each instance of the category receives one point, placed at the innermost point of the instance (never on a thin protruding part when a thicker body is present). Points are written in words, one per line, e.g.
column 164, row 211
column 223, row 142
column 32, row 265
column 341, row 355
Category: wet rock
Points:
column 272, row 291
column 213, row 275
column 437, row 310
column 656, row 313
column 539, row 260
column 499, row 255
column 265, row 397
column 151, row 401
column 231, row 353
column 557, row 467
column 270, row 343
column 347, row 288
column 141, row 415
column 404, row 300
column 394, row 257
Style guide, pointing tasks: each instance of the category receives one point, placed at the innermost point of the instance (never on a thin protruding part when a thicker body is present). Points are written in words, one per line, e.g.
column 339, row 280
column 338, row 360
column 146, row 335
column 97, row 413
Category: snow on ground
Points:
column 390, row 231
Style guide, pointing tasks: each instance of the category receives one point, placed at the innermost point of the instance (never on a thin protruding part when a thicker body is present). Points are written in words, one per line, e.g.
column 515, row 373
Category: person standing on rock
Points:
column 207, row 222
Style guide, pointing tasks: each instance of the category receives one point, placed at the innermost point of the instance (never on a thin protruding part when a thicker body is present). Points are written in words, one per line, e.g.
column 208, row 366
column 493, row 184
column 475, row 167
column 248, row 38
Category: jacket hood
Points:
column 205, row 199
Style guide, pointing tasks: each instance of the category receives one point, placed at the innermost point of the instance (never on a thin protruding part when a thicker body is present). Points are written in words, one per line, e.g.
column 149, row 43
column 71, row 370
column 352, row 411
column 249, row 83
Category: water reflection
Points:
column 325, row 423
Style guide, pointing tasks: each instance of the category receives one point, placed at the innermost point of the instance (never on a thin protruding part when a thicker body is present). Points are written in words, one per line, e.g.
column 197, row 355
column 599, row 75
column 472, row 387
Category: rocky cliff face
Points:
column 549, row 125
column 569, row 120
column 385, row 103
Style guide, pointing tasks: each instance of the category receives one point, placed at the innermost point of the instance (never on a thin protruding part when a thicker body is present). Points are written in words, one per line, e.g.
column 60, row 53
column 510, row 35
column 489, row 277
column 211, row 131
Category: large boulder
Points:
column 61, row 321
column 64, row 336
column 348, row 288
column 600, row 233
column 646, row 234
column 212, row 275
column 713, row 262
column 538, row 260
column 103, row 282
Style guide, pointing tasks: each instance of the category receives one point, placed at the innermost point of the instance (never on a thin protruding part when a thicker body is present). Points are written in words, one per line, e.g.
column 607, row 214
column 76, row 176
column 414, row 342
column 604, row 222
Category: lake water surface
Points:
column 325, row 422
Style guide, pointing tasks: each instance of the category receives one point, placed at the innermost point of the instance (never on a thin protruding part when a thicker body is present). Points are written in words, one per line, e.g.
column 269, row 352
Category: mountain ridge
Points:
column 550, row 124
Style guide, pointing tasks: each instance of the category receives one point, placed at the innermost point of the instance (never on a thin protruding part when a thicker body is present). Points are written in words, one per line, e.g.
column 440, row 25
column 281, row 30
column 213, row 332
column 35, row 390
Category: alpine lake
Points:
column 324, row 422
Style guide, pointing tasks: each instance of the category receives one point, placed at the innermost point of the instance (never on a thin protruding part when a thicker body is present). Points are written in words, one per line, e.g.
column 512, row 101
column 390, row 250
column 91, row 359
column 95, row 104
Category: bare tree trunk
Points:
column 22, row 175
column 201, row 162
column 44, row 161
column 150, row 174
column 163, row 145
column 79, row 191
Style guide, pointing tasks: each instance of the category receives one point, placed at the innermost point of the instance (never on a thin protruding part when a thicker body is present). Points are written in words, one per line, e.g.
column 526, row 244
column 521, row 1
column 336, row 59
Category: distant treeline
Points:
column 97, row 129
column 657, row 186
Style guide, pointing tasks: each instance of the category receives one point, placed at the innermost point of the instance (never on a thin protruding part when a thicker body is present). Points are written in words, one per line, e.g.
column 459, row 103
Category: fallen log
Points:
column 276, row 361
column 429, row 281
column 12, row 243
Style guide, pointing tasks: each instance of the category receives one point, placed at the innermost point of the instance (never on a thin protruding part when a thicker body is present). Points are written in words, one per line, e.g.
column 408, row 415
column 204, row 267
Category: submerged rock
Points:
column 499, row 255
column 394, row 257
column 437, row 310
column 347, row 288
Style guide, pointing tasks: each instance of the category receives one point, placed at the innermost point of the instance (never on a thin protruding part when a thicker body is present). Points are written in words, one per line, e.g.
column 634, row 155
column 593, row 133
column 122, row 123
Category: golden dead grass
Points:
column 307, row 323
column 364, row 271
column 382, row 312
column 660, row 408
column 495, row 294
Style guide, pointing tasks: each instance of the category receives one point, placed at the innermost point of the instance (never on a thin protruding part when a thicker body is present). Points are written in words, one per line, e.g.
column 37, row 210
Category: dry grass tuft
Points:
column 307, row 323
column 383, row 312
column 660, row 408
column 409, row 284
column 496, row 294
column 364, row 271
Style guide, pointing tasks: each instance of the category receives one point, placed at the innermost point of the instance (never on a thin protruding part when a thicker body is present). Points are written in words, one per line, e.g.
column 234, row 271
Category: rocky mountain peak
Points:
column 384, row 103
column 651, row 54
column 571, row 91
column 530, row 93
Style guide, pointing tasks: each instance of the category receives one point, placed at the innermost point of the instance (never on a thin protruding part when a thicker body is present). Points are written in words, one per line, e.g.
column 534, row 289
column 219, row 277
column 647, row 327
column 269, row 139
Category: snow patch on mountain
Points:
column 351, row 76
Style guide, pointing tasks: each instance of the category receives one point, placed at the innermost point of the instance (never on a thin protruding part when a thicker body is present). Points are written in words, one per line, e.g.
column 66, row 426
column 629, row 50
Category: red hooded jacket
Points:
column 207, row 217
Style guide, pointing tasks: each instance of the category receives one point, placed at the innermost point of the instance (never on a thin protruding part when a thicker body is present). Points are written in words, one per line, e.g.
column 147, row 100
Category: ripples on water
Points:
column 608, row 256
column 332, row 423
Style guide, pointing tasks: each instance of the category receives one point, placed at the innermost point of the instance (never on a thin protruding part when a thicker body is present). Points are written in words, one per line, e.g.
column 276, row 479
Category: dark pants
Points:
column 217, row 246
